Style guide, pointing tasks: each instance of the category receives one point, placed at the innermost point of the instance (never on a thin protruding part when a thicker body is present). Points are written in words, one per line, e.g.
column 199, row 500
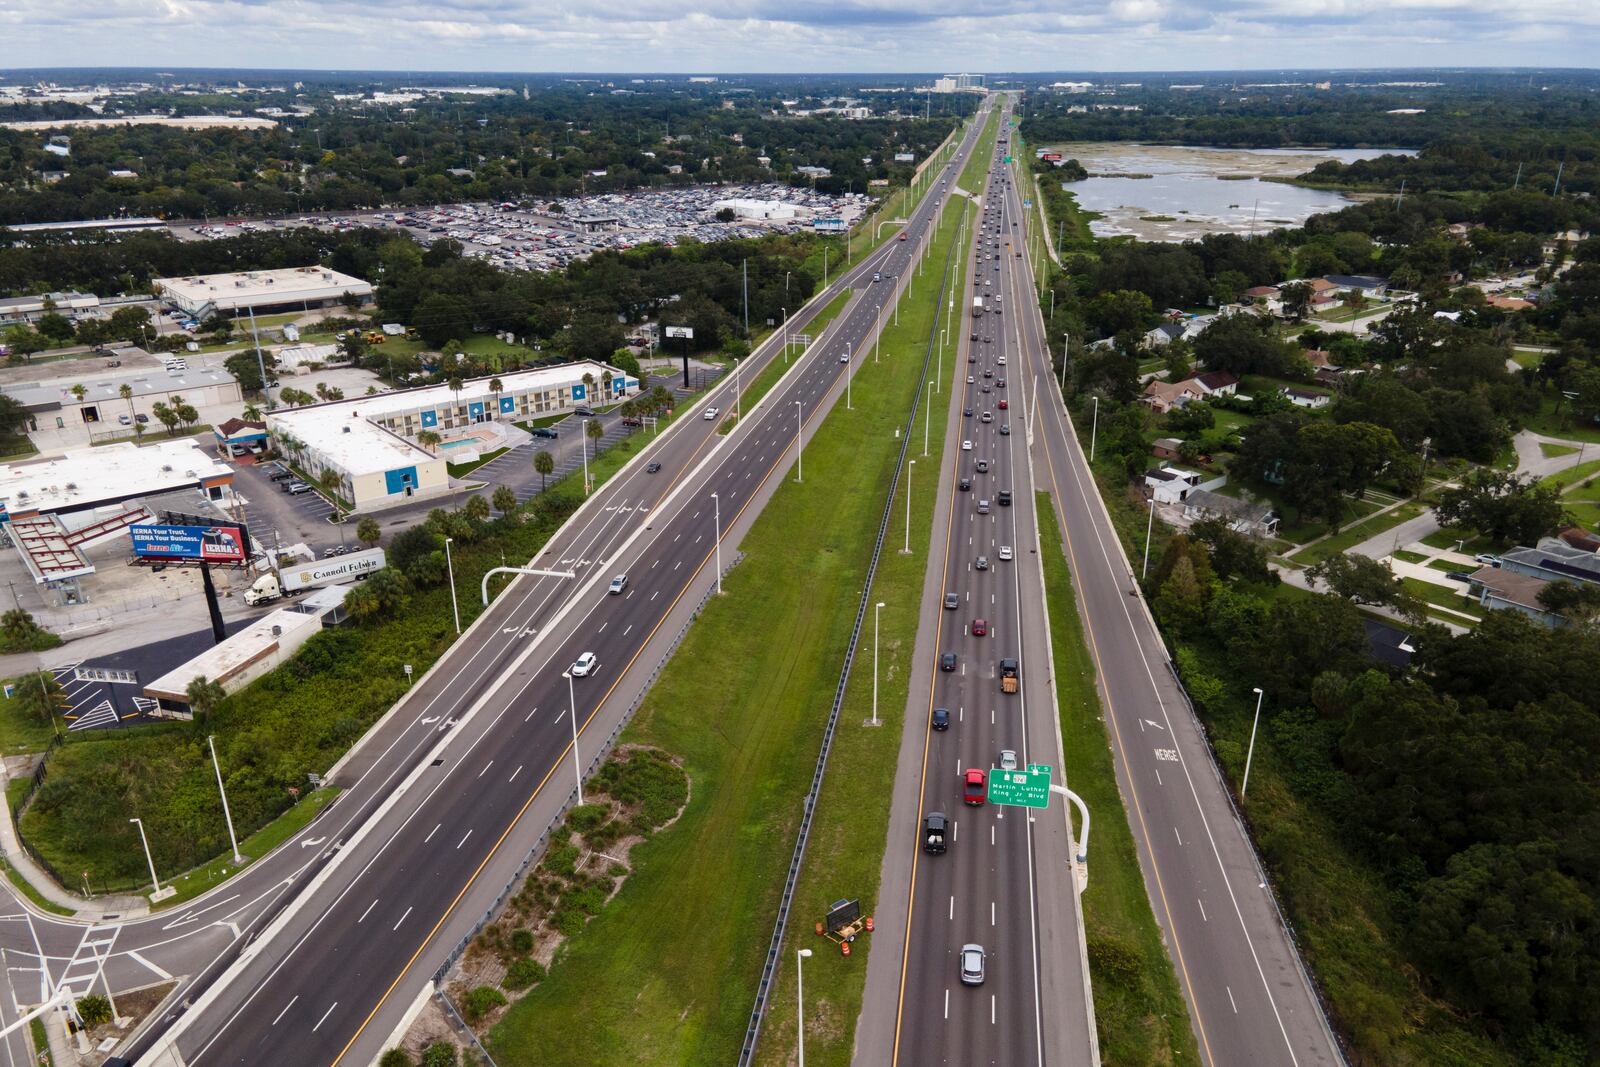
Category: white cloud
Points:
column 782, row 35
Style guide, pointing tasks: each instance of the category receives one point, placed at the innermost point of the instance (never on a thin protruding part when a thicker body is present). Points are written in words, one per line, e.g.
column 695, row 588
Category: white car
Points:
column 584, row 665
column 710, row 414
column 1008, row 760
column 966, row 446
column 1002, row 361
column 618, row 584
column 845, row 358
column 1005, row 552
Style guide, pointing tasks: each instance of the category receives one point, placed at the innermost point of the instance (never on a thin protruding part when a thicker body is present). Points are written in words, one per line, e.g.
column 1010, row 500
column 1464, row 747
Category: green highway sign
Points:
column 1008, row 159
column 1028, row 788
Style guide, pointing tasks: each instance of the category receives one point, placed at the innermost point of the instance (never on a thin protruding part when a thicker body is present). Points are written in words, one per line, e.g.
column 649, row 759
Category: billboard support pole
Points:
column 217, row 630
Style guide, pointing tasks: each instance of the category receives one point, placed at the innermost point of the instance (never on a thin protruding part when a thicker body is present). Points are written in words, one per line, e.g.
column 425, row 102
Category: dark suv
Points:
column 941, row 719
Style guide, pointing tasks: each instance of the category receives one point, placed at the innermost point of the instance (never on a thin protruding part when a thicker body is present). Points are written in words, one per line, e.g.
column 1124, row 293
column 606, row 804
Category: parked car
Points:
column 544, row 431
column 295, row 488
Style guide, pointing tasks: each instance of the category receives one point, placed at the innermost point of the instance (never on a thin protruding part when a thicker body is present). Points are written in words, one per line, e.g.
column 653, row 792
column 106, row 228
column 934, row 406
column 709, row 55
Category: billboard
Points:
column 208, row 544
column 328, row 571
column 681, row 331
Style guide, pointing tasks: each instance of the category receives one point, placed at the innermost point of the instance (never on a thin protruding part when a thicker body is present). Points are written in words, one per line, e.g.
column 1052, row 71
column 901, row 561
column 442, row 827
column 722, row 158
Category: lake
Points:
column 1194, row 191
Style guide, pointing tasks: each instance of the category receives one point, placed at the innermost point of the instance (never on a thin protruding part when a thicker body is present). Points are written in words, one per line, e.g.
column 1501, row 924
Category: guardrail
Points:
column 808, row 810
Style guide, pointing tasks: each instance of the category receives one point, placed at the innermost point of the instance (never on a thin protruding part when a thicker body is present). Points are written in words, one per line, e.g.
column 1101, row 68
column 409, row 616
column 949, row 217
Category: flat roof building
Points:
column 371, row 442
column 260, row 290
column 27, row 309
column 102, row 402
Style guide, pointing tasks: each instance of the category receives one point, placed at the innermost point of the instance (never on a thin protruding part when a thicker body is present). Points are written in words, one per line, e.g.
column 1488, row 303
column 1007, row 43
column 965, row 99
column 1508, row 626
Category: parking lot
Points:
column 276, row 517
column 539, row 237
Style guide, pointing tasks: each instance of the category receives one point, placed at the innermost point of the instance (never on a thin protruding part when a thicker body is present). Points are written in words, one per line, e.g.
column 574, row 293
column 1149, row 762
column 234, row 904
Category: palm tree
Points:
column 496, row 387
column 368, row 532
column 455, row 387
column 430, row 440
column 593, row 431
column 204, row 696
column 588, row 382
column 79, row 392
column 505, row 501
column 331, row 481
column 545, row 464
column 126, row 393
column 252, row 413
column 605, row 384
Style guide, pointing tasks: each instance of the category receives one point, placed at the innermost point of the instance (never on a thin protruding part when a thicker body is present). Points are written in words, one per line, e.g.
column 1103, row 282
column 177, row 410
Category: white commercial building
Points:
column 745, row 208
column 371, row 442
column 289, row 289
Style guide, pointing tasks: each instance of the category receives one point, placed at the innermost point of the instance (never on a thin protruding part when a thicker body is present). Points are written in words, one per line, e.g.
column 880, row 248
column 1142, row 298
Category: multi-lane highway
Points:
column 1004, row 881
column 316, row 954
column 1250, row 1000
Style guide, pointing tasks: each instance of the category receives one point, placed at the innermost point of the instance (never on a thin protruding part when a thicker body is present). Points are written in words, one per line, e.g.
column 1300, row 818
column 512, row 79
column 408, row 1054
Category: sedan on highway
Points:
column 584, row 665
column 1005, row 552
column 1005, row 429
column 1004, row 404
column 710, row 414
column 982, row 563
column 1008, row 759
column 987, row 417
column 941, row 719
column 966, row 446
column 947, row 661
column 980, row 627
column 974, row 791
column 618, row 584
column 972, row 957
column 952, row 601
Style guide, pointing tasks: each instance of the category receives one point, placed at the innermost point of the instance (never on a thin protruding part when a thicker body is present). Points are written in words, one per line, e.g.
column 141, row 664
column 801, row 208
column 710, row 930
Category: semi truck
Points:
column 1008, row 676
column 270, row 587
column 977, row 306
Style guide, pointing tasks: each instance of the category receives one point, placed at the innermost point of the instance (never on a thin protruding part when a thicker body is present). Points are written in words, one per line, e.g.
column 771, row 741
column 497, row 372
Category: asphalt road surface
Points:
column 1006, row 881
column 1250, row 1000
column 324, row 946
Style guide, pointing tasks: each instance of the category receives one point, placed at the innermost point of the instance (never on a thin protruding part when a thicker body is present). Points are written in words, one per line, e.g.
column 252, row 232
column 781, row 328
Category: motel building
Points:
column 371, row 443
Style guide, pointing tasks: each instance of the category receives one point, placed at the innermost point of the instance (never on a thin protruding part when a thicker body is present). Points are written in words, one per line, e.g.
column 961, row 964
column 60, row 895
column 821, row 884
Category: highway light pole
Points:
column 910, row 463
column 1149, row 525
column 572, row 713
column 1251, row 754
column 716, row 504
column 875, row 610
column 849, row 367
column 1066, row 339
column 147, row 857
column 800, row 1003
column 451, row 567
column 927, row 417
column 226, row 815
column 785, row 335
column 878, row 311
column 1094, row 428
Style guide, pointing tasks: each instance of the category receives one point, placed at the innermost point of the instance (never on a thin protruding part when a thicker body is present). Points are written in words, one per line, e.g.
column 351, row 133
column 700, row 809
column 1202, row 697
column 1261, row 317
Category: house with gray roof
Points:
column 1243, row 516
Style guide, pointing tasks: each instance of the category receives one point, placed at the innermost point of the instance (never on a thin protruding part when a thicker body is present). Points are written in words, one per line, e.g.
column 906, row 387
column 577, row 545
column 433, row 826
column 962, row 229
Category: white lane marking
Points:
column 515, row 773
column 325, row 1015
column 991, row 1009
column 991, row 913
column 463, row 840
column 628, row 630
column 1202, row 910
column 163, row 975
column 952, row 907
column 991, row 833
column 435, row 830
column 1230, row 999
column 530, row 714
column 657, row 592
column 486, row 767
column 1158, row 779
column 402, row 918
column 947, row 1002
column 364, row 914
column 286, row 1008
column 1177, row 835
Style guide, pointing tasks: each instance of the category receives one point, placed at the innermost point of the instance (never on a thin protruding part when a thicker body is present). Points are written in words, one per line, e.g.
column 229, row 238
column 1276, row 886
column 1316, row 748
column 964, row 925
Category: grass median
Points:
column 750, row 395
column 1139, row 1009
column 667, row 974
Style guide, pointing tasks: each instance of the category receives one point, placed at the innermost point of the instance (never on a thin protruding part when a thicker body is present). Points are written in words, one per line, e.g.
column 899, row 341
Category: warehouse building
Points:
column 94, row 403
column 371, row 443
column 260, row 291
column 26, row 310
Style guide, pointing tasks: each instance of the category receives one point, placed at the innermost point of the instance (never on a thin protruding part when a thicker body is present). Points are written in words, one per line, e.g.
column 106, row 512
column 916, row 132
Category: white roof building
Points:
column 291, row 287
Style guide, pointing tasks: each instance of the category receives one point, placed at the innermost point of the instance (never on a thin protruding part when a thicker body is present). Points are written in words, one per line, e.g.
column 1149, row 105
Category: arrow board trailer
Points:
column 328, row 571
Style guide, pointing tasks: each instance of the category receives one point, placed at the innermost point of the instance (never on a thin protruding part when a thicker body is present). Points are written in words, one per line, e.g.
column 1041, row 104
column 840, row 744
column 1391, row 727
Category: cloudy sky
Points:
column 690, row 36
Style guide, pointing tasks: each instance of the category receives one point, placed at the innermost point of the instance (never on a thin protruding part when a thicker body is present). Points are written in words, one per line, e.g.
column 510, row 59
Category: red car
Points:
column 980, row 627
column 974, row 792
column 1003, row 405
column 902, row 236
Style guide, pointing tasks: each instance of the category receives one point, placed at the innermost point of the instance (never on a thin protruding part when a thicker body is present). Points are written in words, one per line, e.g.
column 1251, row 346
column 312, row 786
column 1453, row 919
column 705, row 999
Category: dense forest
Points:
column 565, row 140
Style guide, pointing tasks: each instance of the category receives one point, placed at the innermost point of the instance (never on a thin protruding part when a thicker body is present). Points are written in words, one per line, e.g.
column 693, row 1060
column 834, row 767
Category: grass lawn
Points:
column 1551, row 424
column 1444, row 565
column 1526, row 358
column 459, row 470
column 26, row 888
column 258, row 844
column 41, row 1042
column 1439, row 596
column 667, row 973
column 1586, row 512
column 1140, row 1012
column 1551, row 451
column 1451, row 538
column 1411, row 557
column 1356, row 533
column 1565, row 480
column 21, row 733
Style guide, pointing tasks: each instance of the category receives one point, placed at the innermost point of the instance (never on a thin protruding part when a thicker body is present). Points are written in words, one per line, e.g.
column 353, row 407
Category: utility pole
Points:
column 744, row 268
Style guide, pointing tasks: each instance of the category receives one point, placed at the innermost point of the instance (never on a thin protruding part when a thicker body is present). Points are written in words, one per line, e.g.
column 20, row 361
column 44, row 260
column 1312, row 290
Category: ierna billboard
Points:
column 207, row 544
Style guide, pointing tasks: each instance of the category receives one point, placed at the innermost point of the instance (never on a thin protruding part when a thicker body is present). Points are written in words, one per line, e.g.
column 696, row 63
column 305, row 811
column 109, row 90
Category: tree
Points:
column 204, row 697
column 545, row 464
column 411, row 552
column 1363, row 580
column 505, row 499
column 1242, row 344
column 13, row 416
column 93, row 1011
column 440, row 1054
column 186, row 413
column 1233, row 554
column 165, row 415
column 1121, row 309
column 330, row 481
column 368, row 532
column 1577, row 602
column 79, row 391
column 476, row 508
column 594, row 431
column 245, row 367
column 430, row 440
column 438, row 317
column 39, row 695
column 1180, row 603
column 125, row 391
column 1296, row 300
column 55, row 326
column 384, row 595
column 396, row 1057
column 1504, row 507
column 20, row 633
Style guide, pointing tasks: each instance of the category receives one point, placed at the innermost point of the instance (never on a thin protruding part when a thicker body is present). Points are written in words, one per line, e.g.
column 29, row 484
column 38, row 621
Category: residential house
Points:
column 1216, row 383
column 1503, row 590
column 1305, row 398
column 1170, row 485
column 1553, row 559
column 1367, row 285
column 1164, row 396
column 1575, row 536
column 1167, row 331
column 1317, row 357
column 1510, row 303
column 1387, row 644
column 1242, row 516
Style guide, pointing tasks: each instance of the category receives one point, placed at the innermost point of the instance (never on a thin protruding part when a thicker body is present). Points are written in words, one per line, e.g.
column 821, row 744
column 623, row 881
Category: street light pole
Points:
column 800, row 1003
column 927, row 417
column 572, row 712
column 1066, row 339
column 147, row 857
column 1251, row 754
column 1094, row 428
column 716, row 504
column 1149, row 525
column 450, row 564
column 910, row 463
column 878, row 312
column 799, row 442
column 226, row 815
column 785, row 335
column 849, row 367
column 876, row 609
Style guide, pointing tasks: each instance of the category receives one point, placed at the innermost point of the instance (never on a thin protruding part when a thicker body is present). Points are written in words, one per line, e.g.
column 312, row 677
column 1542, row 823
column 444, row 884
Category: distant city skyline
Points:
column 830, row 36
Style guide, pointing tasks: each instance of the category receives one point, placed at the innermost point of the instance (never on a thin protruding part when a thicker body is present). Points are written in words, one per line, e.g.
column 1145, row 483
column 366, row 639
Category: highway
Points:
column 324, row 946
column 1250, row 999
column 1006, row 880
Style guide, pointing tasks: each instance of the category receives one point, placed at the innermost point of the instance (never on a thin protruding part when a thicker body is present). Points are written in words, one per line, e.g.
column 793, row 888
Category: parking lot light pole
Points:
column 716, row 506
column 451, row 567
column 226, row 815
column 1251, row 754
column 147, row 857
column 572, row 713
column 799, row 442
column 800, row 1002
